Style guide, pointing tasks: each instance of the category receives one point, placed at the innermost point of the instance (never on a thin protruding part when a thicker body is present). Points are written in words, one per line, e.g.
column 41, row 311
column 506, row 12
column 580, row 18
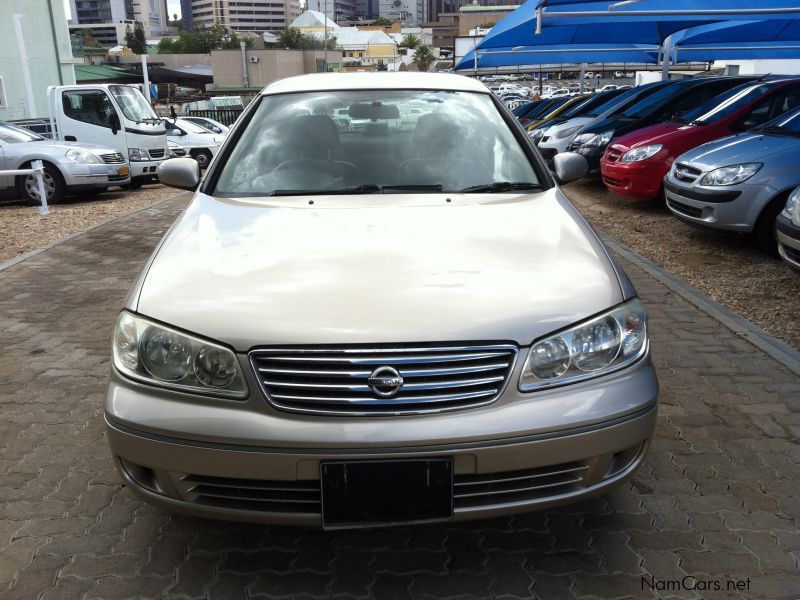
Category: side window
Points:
column 89, row 106
column 786, row 101
column 760, row 113
column 692, row 99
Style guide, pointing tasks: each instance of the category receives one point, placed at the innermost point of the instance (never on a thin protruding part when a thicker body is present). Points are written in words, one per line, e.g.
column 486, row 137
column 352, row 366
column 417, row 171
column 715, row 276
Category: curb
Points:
column 769, row 344
column 31, row 253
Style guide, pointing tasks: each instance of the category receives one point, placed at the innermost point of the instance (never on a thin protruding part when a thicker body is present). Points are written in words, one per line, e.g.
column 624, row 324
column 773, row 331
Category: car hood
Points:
column 51, row 147
column 574, row 122
column 599, row 125
column 742, row 148
column 354, row 269
column 661, row 133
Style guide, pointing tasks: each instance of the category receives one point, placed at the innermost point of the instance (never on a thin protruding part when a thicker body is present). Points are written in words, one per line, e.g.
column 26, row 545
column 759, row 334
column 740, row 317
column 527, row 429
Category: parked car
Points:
column 555, row 112
column 544, row 108
column 584, row 106
column 739, row 183
column 788, row 229
column 559, row 93
column 176, row 150
column 201, row 144
column 592, row 75
column 69, row 167
column 261, row 373
column 667, row 103
column 607, row 87
column 634, row 165
column 558, row 137
column 206, row 123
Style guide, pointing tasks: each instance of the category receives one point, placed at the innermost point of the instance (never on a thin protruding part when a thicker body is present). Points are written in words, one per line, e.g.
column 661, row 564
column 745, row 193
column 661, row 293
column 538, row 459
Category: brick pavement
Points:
column 717, row 498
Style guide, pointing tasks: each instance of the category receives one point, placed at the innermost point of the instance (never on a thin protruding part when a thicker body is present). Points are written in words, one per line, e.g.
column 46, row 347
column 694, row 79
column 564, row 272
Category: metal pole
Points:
column 55, row 42
column 666, row 54
column 38, row 166
column 583, row 78
column 146, row 77
column 325, row 15
column 25, row 64
column 475, row 56
column 245, row 76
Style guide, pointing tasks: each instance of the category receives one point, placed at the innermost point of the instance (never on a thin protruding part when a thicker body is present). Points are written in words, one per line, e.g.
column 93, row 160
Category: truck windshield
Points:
column 133, row 104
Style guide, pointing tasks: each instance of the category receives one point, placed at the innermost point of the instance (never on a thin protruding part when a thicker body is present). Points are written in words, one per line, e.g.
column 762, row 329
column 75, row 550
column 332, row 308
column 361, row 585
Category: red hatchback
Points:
column 634, row 166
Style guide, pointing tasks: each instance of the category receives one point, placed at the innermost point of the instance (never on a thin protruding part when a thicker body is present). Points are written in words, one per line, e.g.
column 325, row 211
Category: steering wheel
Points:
column 297, row 164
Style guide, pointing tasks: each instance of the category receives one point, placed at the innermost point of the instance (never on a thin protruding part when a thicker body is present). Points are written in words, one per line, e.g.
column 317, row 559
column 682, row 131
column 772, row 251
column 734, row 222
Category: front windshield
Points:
column 192, row 127
column 786, row 124
column 301, row 142
column 133, row 104
column 644, row 107
column 619, row 100
column 14, row 135
column 725, row 104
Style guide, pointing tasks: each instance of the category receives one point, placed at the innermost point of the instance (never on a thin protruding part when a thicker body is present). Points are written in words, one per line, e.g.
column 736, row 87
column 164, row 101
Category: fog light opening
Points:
column 142, row 476
column 622, row 460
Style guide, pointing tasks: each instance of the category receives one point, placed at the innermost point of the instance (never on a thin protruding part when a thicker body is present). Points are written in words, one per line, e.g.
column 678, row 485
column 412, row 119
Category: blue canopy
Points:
column 560, row 54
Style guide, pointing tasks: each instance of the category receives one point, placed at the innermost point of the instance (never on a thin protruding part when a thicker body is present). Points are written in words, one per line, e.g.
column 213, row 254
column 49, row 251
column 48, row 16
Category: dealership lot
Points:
column 716, row 499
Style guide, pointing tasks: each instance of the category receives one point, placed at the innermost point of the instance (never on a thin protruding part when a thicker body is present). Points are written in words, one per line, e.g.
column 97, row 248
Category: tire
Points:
column 136, row 183
column 55, row 188
column 203, row 157
column 94, row 193
column 764, row 232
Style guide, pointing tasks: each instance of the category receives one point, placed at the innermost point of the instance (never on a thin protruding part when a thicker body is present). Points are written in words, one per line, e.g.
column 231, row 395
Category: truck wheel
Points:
column 203, row 157
column 136, row 183
column 54, row 186
column 764, row 230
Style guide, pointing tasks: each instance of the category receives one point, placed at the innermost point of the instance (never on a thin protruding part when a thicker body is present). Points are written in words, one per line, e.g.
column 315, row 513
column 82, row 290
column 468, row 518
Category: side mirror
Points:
column 570, row 166
column 181, row 173
column 115, row 124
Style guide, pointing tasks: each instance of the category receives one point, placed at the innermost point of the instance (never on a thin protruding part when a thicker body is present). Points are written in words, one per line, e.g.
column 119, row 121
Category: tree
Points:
column 423, row 58
column 383, row 22
column 381, row 66
column 202, row 41
column 292, row 38
column 87, row 39
column 410, row 41
column 135, row 40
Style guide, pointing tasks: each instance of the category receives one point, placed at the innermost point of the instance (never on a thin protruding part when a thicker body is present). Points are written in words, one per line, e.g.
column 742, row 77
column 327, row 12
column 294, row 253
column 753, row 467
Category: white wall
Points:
column 762, row 67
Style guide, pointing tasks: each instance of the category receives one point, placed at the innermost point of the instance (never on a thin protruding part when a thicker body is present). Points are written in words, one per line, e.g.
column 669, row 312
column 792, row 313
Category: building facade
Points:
column 244, row 15
column 35, row 53
column 104, row 15
column 336, row 10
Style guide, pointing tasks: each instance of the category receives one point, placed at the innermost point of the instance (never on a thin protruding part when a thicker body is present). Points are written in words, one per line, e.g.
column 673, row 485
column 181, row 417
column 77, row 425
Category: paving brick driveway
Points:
column 717, row 498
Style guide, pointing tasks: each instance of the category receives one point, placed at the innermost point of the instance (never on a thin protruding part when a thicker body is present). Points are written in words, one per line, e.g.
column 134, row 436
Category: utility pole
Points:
column 325, row 16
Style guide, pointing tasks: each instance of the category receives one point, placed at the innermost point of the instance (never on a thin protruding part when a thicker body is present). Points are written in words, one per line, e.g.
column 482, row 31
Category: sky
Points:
column 174, row 7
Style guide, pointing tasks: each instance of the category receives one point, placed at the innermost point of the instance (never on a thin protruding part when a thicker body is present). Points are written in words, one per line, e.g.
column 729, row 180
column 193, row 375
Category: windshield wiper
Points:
column 502, row 186
column 366, row 188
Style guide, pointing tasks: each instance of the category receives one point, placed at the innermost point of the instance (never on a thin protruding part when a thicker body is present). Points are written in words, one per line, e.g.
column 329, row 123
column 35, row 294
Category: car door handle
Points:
column 70, row 138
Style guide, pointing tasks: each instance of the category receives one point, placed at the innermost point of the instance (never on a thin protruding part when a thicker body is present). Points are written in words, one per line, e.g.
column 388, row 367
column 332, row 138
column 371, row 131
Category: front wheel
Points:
column 764, row 232
column 55, row 188
column 203, row 157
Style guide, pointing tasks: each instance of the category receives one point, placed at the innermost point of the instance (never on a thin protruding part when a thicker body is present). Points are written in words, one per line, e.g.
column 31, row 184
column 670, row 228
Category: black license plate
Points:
column 386, row 492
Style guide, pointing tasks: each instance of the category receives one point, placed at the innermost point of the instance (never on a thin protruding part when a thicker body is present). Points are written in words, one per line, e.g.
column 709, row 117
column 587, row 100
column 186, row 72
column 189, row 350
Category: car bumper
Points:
column 145, row 168
column 734, row 208
column 95, row 176
column 277, row 481
column 635, row 181
column 788, row 241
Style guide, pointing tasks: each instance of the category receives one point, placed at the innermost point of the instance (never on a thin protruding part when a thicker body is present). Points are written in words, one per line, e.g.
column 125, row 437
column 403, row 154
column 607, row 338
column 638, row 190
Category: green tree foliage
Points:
column 423, row 58
column 383, row 22
column 135, row 40
column 202, row 41
column 292, row 38
column 381, row 66
column 87, row 39
column 410, row 41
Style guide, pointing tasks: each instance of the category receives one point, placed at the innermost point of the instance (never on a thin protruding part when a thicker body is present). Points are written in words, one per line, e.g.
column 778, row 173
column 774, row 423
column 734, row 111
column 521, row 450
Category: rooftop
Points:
column 100, row 73
column 312, row 18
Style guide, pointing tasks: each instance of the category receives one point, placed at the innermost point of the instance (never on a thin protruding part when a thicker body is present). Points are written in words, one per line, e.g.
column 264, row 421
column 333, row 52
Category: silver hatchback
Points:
column 357, row 327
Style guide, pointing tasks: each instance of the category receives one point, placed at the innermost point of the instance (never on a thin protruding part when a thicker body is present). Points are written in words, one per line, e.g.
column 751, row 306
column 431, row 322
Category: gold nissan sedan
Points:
column 381, row 324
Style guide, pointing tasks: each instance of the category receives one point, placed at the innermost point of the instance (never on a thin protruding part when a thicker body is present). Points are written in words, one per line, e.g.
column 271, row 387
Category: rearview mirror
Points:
column 181, row 173
column 374, row 111
column 570, row 166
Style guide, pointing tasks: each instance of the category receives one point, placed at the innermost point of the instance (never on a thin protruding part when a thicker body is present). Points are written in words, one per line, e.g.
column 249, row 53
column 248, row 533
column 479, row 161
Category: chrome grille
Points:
column 613, row 154
column 684, row 172
column 516, row 486
column 252, row 494
column 113, row 159
column 157, row 153
column 337, row 380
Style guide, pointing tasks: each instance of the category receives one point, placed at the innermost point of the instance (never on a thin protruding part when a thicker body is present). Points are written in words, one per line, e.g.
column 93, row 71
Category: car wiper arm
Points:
column 366, row 188
column 502, row 186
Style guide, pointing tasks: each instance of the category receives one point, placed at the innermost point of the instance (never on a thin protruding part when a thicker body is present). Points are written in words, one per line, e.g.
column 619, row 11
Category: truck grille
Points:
column 157, row 153
column 367, row 381
column 113, row 159
column 684, row 172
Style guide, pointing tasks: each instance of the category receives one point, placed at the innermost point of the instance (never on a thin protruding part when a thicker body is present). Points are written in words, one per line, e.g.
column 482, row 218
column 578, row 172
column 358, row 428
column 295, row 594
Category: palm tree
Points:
column 423, row 57
column 410, row 41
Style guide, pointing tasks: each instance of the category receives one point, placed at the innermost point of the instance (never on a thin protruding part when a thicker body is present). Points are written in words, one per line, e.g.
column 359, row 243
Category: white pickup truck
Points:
column 110, row 115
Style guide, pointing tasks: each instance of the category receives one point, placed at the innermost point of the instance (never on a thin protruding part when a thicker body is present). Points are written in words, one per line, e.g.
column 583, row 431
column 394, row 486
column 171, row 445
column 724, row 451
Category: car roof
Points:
column 371, row 81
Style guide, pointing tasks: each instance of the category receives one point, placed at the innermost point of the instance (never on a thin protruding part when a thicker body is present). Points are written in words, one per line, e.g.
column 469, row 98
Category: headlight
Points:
column 601, row 345
column 565, row 133
column 641, row 153
column 83, row 157
column 792, row 204
column 162, row 356
column 731, row 175
column 536, row 134
column 137, row 155
column 594, row 139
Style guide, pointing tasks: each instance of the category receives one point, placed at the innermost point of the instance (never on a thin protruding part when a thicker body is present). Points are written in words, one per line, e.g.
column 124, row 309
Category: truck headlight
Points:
column 598, row 346
column 731, row 175
column 138, row 155
column 158, row 355
column 83, row 157
column 641, row 153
